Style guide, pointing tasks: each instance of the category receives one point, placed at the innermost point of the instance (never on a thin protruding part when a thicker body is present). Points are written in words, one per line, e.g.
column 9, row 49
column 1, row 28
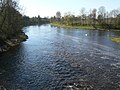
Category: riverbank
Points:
column 82, row 27
column 72, row 27
column 117, row 40
column 5, row 45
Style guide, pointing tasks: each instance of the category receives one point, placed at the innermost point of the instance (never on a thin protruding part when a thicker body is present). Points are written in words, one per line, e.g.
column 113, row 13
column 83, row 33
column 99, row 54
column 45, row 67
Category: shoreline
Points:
column 81, row 27
column 117, row 40
column 72, row 27
column 7, row 44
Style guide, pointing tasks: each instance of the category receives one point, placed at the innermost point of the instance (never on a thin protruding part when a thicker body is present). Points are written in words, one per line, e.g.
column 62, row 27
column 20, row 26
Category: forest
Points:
column 27, row 21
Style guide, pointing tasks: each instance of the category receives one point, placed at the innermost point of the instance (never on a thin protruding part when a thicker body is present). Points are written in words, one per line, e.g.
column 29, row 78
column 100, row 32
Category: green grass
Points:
column 117, row 40
column 115, row 30
column 81, row 27
column 76, row 27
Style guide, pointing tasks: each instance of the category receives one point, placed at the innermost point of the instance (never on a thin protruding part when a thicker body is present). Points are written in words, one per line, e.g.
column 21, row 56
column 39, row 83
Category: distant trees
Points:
column 58, row 16
column 34, row 20
column 68, row 18
column 101, row 16
column 98, row 18
column 94, row 14
column 83, row 16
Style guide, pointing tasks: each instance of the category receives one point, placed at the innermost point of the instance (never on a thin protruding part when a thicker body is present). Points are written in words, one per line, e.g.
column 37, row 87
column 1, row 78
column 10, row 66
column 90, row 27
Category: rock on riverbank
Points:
column 5, row 45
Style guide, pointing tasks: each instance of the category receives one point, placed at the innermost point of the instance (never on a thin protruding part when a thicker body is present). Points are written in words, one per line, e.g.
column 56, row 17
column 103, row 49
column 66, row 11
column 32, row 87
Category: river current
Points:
column 62, row 59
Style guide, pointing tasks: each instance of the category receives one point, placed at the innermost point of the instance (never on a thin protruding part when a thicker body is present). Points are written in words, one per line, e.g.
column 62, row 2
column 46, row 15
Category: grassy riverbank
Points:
column 76, row 27
column 81, row 27
column 117, row 40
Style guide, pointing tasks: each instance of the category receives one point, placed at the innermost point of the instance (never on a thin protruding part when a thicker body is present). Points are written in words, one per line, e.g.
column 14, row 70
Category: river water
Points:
column 62, row 59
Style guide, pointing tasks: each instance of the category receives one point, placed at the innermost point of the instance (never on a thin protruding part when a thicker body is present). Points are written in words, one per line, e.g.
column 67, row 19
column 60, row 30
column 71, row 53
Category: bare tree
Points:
column 94, row 11
column 101, row 16
column 58, row 15
column 83, row 15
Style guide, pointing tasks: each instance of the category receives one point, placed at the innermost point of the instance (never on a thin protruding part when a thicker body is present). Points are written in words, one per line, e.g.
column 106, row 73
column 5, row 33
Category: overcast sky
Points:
column 50, row 7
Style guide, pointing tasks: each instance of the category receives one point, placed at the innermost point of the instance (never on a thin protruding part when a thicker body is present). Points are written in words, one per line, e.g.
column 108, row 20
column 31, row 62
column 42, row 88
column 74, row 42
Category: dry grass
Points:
column 116, row 40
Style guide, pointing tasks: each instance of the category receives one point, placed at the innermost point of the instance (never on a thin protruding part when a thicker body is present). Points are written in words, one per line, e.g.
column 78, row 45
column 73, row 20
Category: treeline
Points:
column 97, row 18
column 35, row 20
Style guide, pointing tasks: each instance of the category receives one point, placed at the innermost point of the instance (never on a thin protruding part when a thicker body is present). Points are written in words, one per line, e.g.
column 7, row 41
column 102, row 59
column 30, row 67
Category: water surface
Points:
column 62, row 59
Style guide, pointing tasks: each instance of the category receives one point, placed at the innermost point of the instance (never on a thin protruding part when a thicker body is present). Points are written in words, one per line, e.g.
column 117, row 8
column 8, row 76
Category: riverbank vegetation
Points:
column 69, row 26
column 35, row 20
column 11, row 24
column 116, row 40
column 94, row 18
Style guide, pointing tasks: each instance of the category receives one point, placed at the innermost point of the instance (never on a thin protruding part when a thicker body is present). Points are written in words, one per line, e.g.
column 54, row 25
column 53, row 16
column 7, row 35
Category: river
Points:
column 62, row 59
